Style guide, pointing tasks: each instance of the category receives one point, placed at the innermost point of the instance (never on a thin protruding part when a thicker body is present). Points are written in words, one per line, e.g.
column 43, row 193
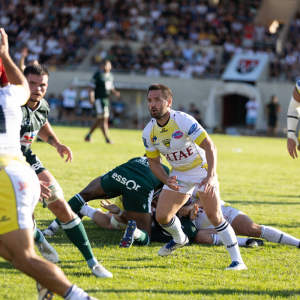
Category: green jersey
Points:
column 103, row 84
column 32, row 122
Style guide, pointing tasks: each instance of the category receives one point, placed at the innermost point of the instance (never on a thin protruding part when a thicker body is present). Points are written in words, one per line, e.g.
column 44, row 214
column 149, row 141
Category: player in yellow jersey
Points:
column 292, row 121
column 193, row 157
column 20, row 191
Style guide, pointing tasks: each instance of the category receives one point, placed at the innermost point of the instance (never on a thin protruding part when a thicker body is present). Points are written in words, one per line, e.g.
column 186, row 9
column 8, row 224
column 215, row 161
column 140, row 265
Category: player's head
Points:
column 106, row 66
column 159, row 100
column 37, row 77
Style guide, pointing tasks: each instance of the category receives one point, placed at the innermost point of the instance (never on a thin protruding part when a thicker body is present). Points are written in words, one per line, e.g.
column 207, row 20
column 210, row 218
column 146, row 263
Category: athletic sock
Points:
column 76, row 203
column 228, row 237
column 76, row 233
column 242, row 241
column 38, row 236
column 274, row 235
column 141, row 237
column 174, row 228
column 217, row 241
column 88, row 135
column 75, row 293
column 88, row 211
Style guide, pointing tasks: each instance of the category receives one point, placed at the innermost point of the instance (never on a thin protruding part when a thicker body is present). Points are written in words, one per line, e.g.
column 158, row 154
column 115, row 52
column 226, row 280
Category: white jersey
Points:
column 178, row 141
column 69, row 98
column 11, row 99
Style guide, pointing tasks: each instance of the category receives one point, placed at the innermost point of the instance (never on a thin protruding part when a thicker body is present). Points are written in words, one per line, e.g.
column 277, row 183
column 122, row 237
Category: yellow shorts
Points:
column 19, row 194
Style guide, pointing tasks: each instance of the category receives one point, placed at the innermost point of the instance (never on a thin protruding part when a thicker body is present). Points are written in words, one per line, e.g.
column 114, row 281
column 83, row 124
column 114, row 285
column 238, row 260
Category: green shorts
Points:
column 137, row 195
column 159, row 235
column 34, row 162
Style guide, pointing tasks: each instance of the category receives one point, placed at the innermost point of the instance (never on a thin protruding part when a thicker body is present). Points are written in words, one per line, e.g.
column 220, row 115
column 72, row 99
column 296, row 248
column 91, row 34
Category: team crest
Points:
column 164, row 130
column 177, row 134
column 167, row 142
column 154, row 139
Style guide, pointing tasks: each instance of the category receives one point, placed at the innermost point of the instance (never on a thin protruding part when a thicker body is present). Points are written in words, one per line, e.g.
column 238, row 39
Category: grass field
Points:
column 256, row 175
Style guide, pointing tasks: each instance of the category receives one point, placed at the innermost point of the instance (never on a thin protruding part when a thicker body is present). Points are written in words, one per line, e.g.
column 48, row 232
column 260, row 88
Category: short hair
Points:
column 166, row 91
column 36, row 69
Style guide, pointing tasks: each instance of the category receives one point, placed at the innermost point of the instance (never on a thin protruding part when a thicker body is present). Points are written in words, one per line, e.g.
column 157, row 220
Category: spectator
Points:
column 69, row 104
column 252, row 112
column 272, row 109
column 196, row 113
column 86, row 107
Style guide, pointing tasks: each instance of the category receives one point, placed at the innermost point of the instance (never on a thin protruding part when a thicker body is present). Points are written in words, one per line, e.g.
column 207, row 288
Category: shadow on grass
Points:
column 279, row 293
column 256, row 203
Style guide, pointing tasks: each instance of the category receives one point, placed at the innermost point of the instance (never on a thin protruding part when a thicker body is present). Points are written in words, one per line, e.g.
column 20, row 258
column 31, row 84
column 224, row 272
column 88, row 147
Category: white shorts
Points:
column 19, row 194
column 101, row 110
column 229, row 214
column 187, row 180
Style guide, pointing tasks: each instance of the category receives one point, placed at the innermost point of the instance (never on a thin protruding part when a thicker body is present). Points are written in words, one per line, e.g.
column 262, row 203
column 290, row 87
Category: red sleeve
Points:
column 4, row 79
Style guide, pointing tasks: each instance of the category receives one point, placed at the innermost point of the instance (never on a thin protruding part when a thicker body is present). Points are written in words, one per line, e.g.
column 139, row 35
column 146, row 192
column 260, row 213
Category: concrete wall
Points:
column 184, row 91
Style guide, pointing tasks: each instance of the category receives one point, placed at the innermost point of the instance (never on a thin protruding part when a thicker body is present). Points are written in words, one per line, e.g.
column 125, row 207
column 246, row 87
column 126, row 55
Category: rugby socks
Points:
column 76, row 203
column 88, row 211
column 141, row 237
column 174, row 228
column 76, row 233
column 217, row 241
column 228, row 237
column 274, row 235
column 38, row 236
column 76, row 293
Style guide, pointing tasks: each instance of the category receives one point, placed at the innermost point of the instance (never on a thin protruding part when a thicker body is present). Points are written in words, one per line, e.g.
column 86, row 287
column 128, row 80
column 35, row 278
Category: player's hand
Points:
column 24, row 52
column 291, row 146
column 62, row 150
column 173, row 184
column 194, row 212
column 209, row 184
column 117, row 94
column 112, row 208
column 184, row 211
column 4, row 43
column 45, row 191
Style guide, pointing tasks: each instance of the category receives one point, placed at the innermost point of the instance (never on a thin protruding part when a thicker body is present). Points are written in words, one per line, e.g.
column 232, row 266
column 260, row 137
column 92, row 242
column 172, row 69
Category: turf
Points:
column 256, row 175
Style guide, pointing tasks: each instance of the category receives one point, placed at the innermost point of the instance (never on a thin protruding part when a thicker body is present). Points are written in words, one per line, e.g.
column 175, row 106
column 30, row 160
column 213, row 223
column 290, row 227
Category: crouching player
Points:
column 136, row 183
column 20, row 191
column 241, row 224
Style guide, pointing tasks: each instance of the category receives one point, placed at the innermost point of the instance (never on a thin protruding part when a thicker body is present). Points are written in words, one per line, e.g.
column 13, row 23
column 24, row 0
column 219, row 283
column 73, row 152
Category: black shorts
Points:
column 68, row 109
column 159, row 235
column 272, row 122
column 34, row 162
column 137, row 195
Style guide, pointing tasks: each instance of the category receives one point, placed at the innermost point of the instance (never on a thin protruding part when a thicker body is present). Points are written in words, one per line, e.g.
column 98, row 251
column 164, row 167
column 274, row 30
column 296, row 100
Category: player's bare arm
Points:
column 116, row 93
column 47, row 134
column 13, row 73
column 91, row 94
column 161, row 174
column 211, row 157
column 292, row 121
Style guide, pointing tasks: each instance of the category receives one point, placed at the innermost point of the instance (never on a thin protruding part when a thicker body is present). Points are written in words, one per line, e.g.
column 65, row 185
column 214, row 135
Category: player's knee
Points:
column 23, row 260
column 253, row 230
column 56, row 193
column 163, row 219
column 215, row 217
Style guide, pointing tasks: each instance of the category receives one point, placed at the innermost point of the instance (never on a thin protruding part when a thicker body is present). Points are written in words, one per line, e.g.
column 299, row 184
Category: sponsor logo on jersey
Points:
column 179, row 155
column 26, row 122
column 164, row 130
column 38, row 165
column 130, row 184
column 167, row 142
column 193, row 128
column 177, row 134
column 28, row 138
column 154, row 139
column 145, row 143
column 4, row 218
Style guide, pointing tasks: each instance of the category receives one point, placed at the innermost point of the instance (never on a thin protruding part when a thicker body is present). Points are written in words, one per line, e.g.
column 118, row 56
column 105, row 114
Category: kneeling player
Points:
column 241, row 224
column 135, row 182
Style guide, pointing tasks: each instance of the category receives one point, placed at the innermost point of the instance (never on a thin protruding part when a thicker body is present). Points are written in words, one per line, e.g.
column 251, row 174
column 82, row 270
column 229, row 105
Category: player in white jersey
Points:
column 192, row 155
column 20, row 191
column 292, row 121
column 240, row 222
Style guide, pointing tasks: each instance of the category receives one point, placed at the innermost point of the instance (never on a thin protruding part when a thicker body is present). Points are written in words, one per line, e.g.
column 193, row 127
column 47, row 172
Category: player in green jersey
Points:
column 100, row 89
column 136, row 183
column 35, row 122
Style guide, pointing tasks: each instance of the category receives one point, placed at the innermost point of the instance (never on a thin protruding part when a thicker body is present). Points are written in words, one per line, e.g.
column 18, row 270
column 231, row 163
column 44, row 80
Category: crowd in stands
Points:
column 188, row 38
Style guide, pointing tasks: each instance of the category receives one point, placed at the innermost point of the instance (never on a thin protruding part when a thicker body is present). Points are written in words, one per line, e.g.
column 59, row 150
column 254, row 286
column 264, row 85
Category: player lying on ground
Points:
column 135, row 182
column 239, row 221
column 35, row 122
column 20, row 191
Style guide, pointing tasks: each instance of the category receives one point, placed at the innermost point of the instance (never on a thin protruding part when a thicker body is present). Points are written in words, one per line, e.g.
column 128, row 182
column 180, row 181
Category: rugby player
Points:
column 192, row 155
column 35, row 122
column 100, row 89
column 239, row 221
column 20, row 191
column 136, row 183
column 293, row 115
column 3, row 78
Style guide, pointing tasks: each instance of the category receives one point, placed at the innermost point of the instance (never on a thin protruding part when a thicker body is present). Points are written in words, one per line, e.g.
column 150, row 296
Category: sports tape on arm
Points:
column 292, row 119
